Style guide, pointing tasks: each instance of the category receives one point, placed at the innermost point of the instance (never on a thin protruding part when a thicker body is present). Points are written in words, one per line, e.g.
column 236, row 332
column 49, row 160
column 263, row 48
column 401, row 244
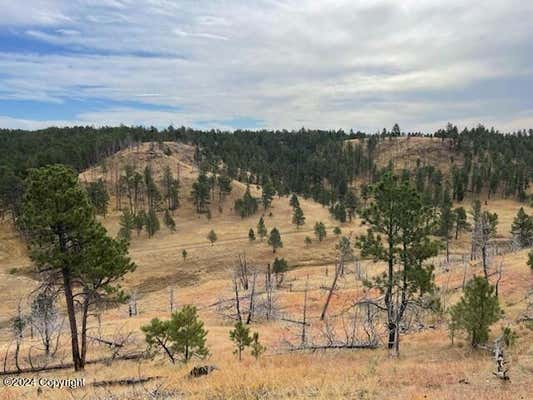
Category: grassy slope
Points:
column 428, row 368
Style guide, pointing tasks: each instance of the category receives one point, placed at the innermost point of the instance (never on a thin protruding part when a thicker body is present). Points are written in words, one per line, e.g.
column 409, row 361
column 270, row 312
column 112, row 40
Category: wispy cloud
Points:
column 287, row 64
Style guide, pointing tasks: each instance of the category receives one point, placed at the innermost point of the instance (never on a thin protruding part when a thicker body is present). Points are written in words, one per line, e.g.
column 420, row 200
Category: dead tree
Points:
column 44, row 317
column 304, row 316
column 132, row 305
column 18, row 326
column 237, row 299
column 242, row 271
column 171, row 299
column 501, row 369
column 251, row 305
column 330, row 293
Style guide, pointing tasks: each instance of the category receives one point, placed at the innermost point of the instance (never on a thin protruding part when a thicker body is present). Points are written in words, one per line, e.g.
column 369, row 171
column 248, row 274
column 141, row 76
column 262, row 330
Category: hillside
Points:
column 429, row 366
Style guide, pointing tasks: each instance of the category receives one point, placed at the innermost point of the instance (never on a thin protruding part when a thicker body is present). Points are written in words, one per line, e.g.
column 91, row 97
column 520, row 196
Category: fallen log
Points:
column 108, row 342
column 125, row 382
column 337, row 347
column 132, row 356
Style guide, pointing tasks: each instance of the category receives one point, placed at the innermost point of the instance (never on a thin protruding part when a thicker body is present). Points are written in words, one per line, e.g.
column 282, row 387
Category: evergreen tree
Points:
column 257, row 347
column 184, row 254
column 530, row 259
column 338, row 211
column 200, row 193
column 152, row 192
column 400, row 225
column 298, row 217
column 477, row 310
column 183, row 334
column 251, row 235
column 151, row 223
column 224, row 187
column 320, row 231
column 268, row 194
column 171, row 188
column 140, row 220
column 241, row 338
column 98, row 196
column 308, row 241
column 522, row 228
column 127, row 223
column 212, row 237
column 274, row 240
column 294, row 203
column 261, row 228
column 461, row 223
column 279, row 267
column 337, row 231
column 351, row 203
column 247, row 205
column 446, row 222
column 169, row 221
column 68, row 243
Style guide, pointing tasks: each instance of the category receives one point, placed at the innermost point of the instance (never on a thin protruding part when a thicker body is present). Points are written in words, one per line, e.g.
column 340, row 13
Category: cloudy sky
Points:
column 267, row 64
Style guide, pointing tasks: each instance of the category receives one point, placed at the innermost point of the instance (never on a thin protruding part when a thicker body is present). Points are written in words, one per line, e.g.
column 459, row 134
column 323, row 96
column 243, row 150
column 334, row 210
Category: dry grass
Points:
column 429, row 367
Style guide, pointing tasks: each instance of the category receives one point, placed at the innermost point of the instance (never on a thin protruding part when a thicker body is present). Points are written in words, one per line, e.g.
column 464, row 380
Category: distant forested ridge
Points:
column 322, row 165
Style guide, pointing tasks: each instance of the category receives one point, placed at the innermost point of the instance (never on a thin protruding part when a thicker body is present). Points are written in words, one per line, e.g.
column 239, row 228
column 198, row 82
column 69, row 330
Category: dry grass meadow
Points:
column 429, row 366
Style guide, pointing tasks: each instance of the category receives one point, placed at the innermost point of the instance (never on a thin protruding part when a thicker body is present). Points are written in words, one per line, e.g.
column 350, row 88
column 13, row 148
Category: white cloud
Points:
column 325, row 64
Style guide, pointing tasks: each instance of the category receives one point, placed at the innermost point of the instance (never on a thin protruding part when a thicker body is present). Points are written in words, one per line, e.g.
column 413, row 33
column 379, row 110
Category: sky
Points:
column 253, row 64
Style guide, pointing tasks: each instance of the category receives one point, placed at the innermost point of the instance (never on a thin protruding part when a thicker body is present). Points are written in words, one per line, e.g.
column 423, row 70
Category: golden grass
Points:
column 429, row 367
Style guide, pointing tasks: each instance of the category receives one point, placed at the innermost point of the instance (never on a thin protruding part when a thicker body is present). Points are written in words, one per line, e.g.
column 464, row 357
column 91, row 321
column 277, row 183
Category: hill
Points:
column 429, row 366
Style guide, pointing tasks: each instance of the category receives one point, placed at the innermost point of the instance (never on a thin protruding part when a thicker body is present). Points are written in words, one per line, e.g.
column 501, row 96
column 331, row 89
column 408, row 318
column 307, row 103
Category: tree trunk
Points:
column 69, row 299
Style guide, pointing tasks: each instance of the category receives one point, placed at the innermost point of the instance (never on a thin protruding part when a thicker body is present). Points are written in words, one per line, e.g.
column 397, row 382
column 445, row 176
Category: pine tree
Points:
column 68, row 243
column 152, row 192
column 293, row 202
column 127, row 223
column 522, row 228
column 99, row 196
column 261, row 228
column 240, row 336
column 461, row 222
column 298, row 217
column 477, row 310
column 169, row 221
column 337, row 231
column 351, row 203
column 183, row 334
column 279, row 267
column 247, row 205
column 251, row 235
column 212, row 237
column 140, row 220
column 274, row 240
column 530, row 259
column 257, row 347
column 268, row 194
column 200, row 193
column 400, row 225
column 320, row 231
column 171, row 189
column 151, row 223
column 446, row 222
column 224, row 187
column 308, row 241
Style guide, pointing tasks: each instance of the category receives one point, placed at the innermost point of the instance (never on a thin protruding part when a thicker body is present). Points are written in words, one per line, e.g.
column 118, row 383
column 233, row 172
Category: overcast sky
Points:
column 267, row 64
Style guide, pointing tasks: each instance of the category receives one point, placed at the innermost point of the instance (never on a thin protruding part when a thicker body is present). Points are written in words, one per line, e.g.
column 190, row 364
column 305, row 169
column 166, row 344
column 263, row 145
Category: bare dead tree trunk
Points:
column 251, row 306
column 237, row 301
column 171, row 299
column 304, row 317
column 330, row 293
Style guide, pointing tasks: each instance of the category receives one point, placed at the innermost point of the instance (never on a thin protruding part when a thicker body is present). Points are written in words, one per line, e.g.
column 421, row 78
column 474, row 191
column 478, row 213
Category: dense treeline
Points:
column 313, row 163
